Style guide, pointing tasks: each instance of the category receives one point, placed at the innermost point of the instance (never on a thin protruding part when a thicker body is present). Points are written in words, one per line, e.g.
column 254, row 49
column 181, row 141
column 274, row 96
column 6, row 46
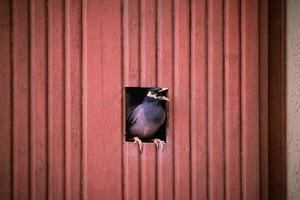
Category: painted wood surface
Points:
column 64, row 66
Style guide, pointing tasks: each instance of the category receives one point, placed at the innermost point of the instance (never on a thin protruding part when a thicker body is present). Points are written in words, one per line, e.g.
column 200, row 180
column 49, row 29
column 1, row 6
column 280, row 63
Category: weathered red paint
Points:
column 73, row 95
column 215, row 100
column 56, row 101
column 232, row 100
column 199, row 101
column 250, row 99
column 64, row 66
column 38, row 93
column 103, row 99
column 181, row 98
column 21, row 104
column 5, row 100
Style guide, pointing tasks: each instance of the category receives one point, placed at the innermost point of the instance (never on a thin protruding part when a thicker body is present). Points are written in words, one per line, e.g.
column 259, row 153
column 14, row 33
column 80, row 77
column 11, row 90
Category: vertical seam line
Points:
column 223, row 99
column 190, row 97
column 64, row 97
column 207, row 94
column 81, row 102
column 241, row 97
column 12, row 96
column 122, row 98
column 206, row 91
column 47, row 97
column 173, row 93
column 30, row 115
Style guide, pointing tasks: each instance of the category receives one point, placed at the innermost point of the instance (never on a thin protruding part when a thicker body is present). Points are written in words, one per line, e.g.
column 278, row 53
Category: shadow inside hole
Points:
column 135, row 96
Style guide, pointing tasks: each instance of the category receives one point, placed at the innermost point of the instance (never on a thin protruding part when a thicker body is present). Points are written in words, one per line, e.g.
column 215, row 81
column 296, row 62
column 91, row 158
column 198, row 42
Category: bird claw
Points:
column 158, row 143
column 139, row 142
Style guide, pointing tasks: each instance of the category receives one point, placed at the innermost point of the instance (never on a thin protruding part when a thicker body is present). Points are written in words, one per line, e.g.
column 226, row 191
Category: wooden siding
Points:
column 63, row 69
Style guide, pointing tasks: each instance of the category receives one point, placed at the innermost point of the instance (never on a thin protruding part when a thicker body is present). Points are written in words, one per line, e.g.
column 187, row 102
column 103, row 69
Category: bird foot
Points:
column 139, row 142
column 158, row 143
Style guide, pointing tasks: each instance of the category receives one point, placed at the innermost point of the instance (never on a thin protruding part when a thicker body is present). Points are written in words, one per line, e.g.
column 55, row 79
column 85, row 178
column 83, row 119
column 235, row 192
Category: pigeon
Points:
column 146, row 118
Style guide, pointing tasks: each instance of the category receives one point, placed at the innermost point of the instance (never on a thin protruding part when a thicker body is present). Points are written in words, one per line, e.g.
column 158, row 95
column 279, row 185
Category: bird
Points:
column 146, row 118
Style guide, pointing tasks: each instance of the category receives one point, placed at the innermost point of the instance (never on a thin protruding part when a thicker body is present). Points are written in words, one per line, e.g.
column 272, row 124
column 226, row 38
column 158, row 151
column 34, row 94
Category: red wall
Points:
column 63, row 68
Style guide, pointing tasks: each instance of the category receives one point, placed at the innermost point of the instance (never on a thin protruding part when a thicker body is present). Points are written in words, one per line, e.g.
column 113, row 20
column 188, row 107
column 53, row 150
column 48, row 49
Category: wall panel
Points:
column 64, row 66
column 103, row 99
column 199, row 101
column 38, row 96
column 6, row 99
column 232, row 100
column 215, row 99
column 20, row 102
column 250, row 99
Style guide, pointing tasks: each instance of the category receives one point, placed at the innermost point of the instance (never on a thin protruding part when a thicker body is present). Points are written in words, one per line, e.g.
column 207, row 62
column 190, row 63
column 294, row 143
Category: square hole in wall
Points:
column 135, row 96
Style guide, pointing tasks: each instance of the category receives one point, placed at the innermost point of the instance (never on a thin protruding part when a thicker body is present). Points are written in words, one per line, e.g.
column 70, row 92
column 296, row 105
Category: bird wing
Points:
column 132, row 117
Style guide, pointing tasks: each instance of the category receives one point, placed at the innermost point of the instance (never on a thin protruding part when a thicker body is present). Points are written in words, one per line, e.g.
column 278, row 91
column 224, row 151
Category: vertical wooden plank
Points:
column 232, row 99
column 131, row 172
column 148, row 79
column 131, row 36
column 83, row 171
column 56, row 99
column 277, row 100
column 73, row 98
column 148, row 42
column 38, row 91
column 103, row 50
column 148, row 171
column 165, row 54
column 263, row 100
column 5, row 100
column 131, row 77
column 181, row 99
column 215, row 100
column 250, row 100
column 21, row 91
column 67, row 101
column 199, row 100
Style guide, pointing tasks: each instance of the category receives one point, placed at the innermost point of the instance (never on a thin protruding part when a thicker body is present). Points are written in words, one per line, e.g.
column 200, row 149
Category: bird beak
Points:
column 163, row 89
column 164, row 98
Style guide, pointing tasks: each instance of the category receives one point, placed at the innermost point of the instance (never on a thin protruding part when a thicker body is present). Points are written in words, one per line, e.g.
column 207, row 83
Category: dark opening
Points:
column 133, row 97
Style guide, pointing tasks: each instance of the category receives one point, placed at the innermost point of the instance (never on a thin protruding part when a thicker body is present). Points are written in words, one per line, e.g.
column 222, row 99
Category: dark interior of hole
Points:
column 134, row 97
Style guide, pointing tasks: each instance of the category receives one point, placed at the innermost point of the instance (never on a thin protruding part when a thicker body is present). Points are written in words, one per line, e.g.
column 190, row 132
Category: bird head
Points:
column 156, row 94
